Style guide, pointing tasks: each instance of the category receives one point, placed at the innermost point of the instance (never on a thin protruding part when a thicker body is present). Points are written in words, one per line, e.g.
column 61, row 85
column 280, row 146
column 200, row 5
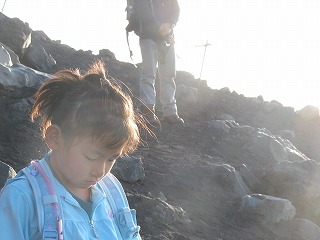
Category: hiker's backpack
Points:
column 133, row 22
column 50, row 216
column 132, row 17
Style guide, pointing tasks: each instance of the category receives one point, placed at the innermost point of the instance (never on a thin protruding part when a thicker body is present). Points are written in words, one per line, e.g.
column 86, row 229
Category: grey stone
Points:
column 257, row 100
column 273, row 149
column 37, row 58
column 308, row 113
column 299, row 183
column 5, row 58
column 15, row 34
column 288, row 134
column 107, row 53
column 20, row 75
column 295, row 180
column 271, row 106
column 224, row 116
column 225, row 90
column 249, row 178
column 264, row 146
column 162, row 196
column 267, row 209
column 231, row 179
column 260, row 97
column 14, row 57
column 244, row 129
column 162, row 212
column 186, row 94
column 23, row 105
column 277, row 103
column 129, row 169
column 218, row 128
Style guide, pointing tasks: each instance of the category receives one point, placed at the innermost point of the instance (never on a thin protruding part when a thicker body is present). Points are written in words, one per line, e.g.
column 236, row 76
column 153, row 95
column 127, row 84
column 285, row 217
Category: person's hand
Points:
column 170, row 39
column 165, row 29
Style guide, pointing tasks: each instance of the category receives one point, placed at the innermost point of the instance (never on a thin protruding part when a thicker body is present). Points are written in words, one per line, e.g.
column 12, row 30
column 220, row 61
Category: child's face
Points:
column 83, row 163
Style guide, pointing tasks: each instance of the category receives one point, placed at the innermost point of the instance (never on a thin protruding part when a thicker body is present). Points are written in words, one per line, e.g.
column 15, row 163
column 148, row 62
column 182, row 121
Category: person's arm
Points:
column 167, row 27
column 14, row 214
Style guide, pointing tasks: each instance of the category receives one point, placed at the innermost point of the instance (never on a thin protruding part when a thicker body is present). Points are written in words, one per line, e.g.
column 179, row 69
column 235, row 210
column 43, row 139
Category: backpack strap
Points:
column 49, row 218
column 130, row 12
column 124, row 216
column 130, row 51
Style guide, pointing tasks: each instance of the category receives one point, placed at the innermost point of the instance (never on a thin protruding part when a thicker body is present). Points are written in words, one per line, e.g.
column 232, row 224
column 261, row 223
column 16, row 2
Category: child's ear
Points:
column 53, row 137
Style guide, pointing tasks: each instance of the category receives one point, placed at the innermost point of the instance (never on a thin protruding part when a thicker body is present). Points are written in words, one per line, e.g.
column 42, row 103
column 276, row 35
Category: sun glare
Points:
column 269, row 47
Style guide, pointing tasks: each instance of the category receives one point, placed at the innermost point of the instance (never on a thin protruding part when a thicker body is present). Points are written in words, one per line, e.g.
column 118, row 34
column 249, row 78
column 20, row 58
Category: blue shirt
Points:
column 19, row 220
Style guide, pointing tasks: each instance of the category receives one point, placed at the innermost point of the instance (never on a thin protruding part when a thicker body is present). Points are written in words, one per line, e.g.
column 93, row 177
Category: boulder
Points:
column 5, row 58
column 225, row 90
column 249, row 178
column 187, row 79
column 299, row 183
column 271, row 106
column 21, row 76
column 257, row 100
column 288, row 134
column 265, row 146
column 308, row 113
column 272, row 149
column 293, row 180
column 160, row 212
column 129, row 169
column 37, row 58
column 14, row 57
column 106, row 53
column 39, row 37
column 266, row 209
column 23, row 105
column 187, row 94
column 231, row 180
column 15, row 34
column 218, row 128
column 224, row 116
column 244, row 129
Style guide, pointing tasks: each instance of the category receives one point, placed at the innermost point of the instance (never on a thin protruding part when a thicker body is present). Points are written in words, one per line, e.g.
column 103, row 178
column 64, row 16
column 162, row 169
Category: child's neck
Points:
column 83, row 194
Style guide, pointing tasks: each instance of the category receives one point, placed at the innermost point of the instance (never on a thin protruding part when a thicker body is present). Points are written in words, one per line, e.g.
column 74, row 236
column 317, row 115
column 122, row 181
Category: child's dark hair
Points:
column 88, row 105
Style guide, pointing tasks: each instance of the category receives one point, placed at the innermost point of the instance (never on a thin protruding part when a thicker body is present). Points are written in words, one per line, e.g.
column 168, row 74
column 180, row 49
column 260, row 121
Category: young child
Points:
column 87, row 122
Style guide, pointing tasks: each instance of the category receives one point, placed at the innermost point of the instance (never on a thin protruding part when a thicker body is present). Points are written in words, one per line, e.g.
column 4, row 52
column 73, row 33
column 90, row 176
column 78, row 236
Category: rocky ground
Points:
column 187, row 193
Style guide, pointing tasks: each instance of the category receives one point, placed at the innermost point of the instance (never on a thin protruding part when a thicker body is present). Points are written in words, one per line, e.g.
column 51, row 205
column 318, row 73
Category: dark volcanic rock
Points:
column 15, row 34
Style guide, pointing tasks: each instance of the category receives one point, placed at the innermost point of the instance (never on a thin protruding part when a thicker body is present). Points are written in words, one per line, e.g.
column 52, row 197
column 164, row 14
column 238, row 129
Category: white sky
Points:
column 259, row 47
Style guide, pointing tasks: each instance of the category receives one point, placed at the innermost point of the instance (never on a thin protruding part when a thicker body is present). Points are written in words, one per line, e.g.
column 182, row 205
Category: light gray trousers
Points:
column 151, row 57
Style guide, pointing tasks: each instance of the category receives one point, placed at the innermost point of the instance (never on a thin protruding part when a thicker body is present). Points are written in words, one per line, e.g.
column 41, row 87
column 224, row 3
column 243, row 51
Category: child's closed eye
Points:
column 91, row 158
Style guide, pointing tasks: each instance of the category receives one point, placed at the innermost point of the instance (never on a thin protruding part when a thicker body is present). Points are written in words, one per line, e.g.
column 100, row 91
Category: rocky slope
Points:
column 199, row 181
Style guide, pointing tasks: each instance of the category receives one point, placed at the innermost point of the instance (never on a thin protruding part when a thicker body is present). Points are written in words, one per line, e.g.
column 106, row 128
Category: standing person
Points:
column 157, row 18
column 87, row 123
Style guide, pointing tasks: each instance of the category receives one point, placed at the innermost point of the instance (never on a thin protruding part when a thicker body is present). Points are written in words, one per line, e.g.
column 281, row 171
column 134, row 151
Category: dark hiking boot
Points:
column 173, row 119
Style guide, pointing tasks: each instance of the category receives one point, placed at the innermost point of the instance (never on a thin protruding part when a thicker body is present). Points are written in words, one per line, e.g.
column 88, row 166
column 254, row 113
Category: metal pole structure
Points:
column 3, row 5
column 204, row 54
